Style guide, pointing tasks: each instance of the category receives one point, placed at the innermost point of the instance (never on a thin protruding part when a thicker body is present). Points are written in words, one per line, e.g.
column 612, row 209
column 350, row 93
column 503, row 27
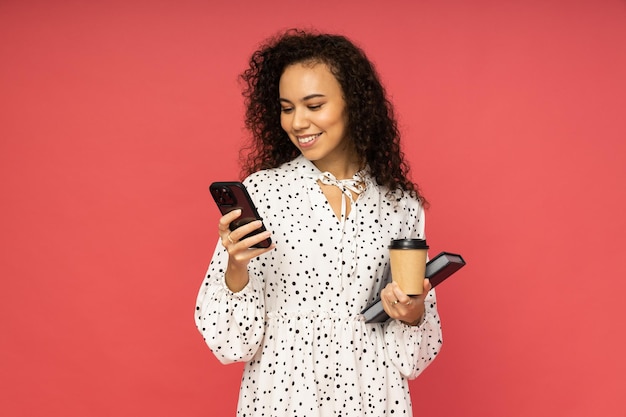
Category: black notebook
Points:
column 437, row 270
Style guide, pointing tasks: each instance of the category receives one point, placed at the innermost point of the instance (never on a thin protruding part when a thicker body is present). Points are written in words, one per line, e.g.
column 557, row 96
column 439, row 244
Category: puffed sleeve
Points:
column 412, row 348
column 232, row 324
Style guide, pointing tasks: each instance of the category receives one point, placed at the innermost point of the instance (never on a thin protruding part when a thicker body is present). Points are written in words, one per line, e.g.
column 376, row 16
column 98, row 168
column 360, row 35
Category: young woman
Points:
column 327, row 175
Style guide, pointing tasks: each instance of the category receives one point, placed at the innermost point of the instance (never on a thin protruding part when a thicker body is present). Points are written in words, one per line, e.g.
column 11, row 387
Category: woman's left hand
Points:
column 399, row 306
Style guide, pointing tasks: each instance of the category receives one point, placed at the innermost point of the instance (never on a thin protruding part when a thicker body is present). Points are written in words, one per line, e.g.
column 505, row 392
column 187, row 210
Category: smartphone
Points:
column 233, row 195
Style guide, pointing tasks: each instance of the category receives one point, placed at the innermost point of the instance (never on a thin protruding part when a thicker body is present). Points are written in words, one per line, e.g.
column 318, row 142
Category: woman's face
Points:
column 314, row 115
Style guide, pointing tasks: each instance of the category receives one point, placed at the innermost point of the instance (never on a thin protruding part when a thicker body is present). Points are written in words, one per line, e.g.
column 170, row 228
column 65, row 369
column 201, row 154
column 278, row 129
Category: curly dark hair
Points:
column 372, row 126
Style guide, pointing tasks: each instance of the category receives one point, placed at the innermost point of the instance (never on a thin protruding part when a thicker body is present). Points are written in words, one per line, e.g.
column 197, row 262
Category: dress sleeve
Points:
column 232, row 324
column 412, row 348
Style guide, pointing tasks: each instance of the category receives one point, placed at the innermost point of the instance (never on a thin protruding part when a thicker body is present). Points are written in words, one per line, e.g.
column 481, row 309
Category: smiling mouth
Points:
column 308, row 138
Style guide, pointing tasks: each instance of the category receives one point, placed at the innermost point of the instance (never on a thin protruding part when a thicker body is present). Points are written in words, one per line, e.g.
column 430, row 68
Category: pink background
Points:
column 116, row 116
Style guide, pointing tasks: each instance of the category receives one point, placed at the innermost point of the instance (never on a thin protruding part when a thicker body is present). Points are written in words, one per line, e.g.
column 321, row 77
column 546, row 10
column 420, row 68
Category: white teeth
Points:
column 308, row 139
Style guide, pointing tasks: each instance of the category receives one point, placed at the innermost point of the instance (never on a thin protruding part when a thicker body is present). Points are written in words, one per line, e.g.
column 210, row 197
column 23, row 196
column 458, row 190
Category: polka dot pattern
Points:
column 297, row 322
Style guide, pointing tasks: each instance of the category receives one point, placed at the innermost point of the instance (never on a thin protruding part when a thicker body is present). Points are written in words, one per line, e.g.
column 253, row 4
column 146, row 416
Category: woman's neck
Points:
column 340, row 169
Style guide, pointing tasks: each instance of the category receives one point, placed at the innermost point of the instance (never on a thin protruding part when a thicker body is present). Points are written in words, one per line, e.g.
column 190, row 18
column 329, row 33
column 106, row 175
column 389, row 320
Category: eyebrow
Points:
column 309, row 97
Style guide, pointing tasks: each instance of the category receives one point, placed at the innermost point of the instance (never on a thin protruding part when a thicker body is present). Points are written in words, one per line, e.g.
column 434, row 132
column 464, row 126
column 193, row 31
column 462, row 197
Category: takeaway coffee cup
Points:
column 408, row 264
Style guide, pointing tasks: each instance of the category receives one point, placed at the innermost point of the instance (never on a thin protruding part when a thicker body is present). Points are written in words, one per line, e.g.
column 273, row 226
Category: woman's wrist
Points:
column 236, row 278
column 414, row 323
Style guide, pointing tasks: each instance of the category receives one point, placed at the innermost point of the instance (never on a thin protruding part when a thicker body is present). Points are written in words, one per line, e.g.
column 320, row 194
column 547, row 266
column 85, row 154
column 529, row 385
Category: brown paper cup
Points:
column 408, row 264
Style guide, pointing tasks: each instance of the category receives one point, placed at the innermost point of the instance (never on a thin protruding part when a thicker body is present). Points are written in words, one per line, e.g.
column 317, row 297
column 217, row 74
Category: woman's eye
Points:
column 315, row 106
column 286, row 110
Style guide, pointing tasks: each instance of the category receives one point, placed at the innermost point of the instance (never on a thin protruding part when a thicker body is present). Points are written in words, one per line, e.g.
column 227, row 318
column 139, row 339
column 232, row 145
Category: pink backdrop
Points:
column 114, row 119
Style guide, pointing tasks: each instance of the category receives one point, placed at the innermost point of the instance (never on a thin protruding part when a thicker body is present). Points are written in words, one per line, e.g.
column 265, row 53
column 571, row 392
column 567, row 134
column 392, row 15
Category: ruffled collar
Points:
column 358, row 184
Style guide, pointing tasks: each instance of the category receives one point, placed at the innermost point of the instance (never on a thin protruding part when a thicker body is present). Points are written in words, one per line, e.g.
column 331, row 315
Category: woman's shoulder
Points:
column 294, row 168
column 271, row 178
column 401, row 199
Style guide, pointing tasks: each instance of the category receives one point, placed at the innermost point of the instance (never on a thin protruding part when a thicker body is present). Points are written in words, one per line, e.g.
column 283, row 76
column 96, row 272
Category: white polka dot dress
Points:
column 297, row 323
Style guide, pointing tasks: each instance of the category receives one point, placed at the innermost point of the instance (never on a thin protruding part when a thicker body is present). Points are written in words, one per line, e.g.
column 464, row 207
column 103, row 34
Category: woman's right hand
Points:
column 240, row 250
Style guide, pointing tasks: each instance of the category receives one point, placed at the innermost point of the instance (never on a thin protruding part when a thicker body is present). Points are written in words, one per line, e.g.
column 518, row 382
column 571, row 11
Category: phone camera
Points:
column 224, row 196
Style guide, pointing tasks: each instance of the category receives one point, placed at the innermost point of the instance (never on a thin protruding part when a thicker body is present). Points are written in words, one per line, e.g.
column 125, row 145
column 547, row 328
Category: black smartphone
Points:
column 233, row 195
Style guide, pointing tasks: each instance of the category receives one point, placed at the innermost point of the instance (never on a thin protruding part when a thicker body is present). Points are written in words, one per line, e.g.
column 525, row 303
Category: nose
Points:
column 300, row 120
